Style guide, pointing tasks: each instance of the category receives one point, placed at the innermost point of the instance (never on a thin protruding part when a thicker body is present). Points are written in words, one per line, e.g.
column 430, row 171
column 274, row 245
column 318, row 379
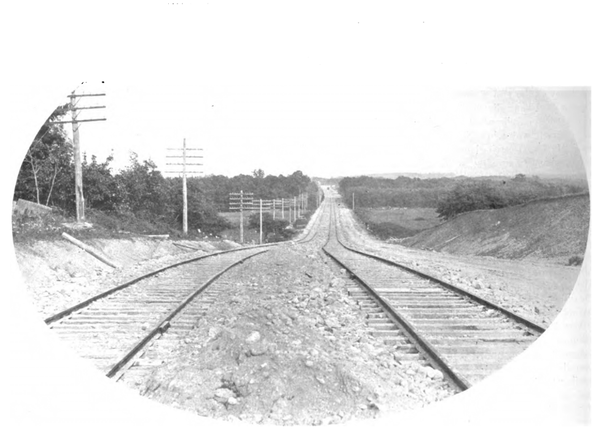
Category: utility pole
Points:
column 352, row 201
column 260, row 216
column 79, row 199
column 184, row 171
column 240, row 201
column 295, row 209
column 262, row 203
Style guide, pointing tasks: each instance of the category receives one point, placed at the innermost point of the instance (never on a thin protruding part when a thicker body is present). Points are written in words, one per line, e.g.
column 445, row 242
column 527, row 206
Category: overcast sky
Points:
column 349, row 90
column 341, row 130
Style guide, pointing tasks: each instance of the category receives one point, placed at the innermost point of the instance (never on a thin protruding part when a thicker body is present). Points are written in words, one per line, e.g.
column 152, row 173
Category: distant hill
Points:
column 553, row 228
column 395, row 175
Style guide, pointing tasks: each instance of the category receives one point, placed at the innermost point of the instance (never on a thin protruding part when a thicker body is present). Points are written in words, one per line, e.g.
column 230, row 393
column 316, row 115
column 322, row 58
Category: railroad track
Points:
column 113, row 327
column 123, row 328
column 464, row 336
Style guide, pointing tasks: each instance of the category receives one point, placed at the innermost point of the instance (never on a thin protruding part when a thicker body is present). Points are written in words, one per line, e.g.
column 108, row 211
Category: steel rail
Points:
column 115, row 289
column 423, row 346
column 522, row 320
column 312, row 229
column 166, row 322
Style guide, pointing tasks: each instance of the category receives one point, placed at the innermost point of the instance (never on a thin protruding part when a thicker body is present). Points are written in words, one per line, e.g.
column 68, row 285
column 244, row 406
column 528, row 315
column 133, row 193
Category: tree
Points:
column 144, row 189
column 270, row 225
column 100, row 188
column 48, row 165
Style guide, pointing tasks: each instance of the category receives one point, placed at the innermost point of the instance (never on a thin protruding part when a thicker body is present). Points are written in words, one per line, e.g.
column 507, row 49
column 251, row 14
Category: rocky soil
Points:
column 535, row 288
column 286, row 345
column 58, row 274
column 554, row 229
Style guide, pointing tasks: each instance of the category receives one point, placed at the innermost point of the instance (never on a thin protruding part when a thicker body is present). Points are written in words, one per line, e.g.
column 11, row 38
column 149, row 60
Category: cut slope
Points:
column 555, row 229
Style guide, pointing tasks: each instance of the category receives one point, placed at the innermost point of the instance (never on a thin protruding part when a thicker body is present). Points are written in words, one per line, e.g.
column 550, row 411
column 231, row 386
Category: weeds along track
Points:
column 460, row 334
column 116, row 328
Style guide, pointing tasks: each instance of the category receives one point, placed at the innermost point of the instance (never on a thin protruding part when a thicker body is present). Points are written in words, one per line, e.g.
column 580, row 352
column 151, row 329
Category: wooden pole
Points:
column 241, row 216
column 79, row 200
column 89, row 249
column 185, row 202
column 261, row 221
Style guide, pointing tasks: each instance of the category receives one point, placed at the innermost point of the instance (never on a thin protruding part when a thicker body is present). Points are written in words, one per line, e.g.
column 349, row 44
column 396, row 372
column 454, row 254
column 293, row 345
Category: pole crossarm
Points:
column 181, row 172
column 86, row 95
column 90, row 107
column 76, row 121
column 79, row 197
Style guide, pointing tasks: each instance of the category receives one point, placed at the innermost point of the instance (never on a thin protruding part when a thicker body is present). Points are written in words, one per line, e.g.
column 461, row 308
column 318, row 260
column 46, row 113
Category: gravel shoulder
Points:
column 536, row 289
column 286, row 345
column 57, row 274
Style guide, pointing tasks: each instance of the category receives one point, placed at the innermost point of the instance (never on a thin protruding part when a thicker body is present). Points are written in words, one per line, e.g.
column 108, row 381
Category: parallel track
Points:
column 427, row 320
column 115, row 328
column 466, row 337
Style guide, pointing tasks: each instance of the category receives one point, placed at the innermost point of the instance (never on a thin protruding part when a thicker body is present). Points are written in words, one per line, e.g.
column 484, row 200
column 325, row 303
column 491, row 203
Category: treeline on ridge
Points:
column 139, row 197
column 452, row 196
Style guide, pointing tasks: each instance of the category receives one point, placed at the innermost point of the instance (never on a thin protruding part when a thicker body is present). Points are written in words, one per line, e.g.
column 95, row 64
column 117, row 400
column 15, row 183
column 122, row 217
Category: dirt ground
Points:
column 285, row 345
column 535, row 288
column 58, row 274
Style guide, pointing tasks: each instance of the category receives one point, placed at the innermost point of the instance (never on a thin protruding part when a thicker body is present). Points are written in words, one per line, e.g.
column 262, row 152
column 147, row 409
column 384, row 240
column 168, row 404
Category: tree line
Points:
column 452, row 196
column 139, row 190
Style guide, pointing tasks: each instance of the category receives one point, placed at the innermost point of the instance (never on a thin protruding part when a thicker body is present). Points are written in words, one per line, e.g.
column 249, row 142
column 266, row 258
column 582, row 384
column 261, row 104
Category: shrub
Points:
column 575, row 261
column 387, row 230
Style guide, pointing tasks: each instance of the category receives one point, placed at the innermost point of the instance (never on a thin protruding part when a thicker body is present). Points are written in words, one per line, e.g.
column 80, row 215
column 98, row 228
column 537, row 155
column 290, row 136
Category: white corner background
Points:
column 48, row 48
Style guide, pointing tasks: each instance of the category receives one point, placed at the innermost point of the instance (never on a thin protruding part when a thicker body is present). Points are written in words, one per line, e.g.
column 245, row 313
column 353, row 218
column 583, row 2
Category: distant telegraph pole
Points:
column 260, row 204
column 183, row 164
column 239, row 202
column 79, row 200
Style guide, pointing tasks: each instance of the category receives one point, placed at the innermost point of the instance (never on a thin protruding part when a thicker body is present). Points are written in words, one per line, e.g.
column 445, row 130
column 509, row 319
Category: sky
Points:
column 331, row 90
column 340, row 130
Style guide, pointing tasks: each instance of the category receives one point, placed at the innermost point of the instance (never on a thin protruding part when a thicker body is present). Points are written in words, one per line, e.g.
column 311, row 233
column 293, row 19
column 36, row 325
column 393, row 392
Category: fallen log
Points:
column 89, row 249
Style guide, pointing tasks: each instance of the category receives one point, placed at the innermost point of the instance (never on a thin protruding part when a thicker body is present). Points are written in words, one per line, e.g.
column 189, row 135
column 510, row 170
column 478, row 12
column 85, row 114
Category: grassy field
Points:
column 398, row 222
column 251, row 236
column 554, row 228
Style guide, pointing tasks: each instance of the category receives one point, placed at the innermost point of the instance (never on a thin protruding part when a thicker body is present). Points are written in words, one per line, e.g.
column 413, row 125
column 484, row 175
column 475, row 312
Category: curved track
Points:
column 427, row 320
column 115, row 328
column 464, row 336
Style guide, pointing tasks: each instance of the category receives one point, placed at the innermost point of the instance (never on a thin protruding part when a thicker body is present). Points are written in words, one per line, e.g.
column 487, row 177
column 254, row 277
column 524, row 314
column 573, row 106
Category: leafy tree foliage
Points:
column 101, row 190
column 139, row 191
column 452, row 196
column 47, row 168
column 271, row 225
column 143, row 188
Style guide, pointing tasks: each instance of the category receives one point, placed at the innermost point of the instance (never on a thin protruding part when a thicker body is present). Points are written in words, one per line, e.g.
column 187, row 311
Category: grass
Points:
column 398, row 222
column 251, row 236
column 50, row 226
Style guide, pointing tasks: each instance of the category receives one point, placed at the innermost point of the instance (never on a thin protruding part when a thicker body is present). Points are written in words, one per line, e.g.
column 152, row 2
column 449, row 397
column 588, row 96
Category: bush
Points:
column 206, row 219
column 575, row 261
column 388, row 230
column 300, row 223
